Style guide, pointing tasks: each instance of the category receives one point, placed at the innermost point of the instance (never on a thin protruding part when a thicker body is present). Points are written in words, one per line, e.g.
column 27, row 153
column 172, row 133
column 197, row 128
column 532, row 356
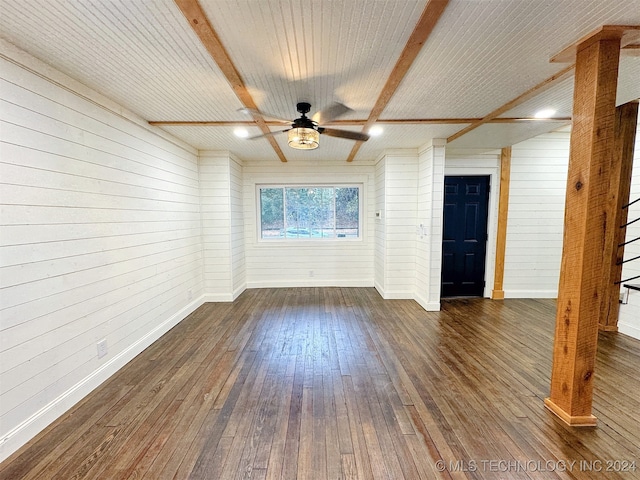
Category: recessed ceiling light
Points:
column 241, row 132
column 545, row 113
column 376, row 130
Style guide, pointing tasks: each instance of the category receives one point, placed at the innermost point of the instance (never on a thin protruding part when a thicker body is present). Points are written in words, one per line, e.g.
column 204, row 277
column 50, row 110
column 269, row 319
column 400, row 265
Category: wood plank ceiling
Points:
column 473, row 72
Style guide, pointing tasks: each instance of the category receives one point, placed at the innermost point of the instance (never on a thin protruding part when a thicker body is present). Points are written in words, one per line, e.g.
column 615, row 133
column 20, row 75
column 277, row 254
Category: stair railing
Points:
column 627, row 260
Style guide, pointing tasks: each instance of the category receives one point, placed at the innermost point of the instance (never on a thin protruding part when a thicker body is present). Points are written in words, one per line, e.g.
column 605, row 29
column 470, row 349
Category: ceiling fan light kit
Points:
column 303, row 138
column 304, row 133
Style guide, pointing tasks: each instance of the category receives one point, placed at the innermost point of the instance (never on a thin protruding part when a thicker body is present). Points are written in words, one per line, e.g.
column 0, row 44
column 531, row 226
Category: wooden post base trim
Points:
column 608, row 328
column 583, row 421
column 497, row 295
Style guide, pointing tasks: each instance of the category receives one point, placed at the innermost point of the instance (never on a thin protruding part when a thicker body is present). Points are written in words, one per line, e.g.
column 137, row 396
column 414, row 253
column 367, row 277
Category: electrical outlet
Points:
column 102, row 348
column 311, row 273
column 190, row 295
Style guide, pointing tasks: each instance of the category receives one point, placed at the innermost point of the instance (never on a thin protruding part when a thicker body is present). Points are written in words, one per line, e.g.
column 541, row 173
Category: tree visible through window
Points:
column 309, row 212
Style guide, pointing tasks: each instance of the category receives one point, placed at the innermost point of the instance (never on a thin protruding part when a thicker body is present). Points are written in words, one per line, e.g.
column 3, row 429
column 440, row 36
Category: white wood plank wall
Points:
column 380, row 228
column 629, row 320
column 536, row 216
column 100, row 241
column 222, row 225
column 307, row 262
column 429, row 224
column 424, row 196
column 437, row 221
column 215, row 198
column 238, row 267
column 400, row 220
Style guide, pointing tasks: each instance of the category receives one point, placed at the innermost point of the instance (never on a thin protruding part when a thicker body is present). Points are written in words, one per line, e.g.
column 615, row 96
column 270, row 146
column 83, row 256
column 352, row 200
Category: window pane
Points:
column 297, row 214
column 271, row 212
column 323, row 220
column 310, row 212
column 347, row 212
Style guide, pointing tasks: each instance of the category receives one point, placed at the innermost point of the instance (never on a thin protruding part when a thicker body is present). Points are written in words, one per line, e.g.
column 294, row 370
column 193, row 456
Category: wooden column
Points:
column 503, row 210
column 588, row 229
column 624, row 137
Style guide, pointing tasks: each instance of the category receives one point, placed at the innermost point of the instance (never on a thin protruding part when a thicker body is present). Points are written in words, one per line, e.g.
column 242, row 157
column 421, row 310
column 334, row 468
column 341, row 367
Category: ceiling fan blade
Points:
column 270, row 134
column 253, row 111
column 331, row 112
column 334, row 132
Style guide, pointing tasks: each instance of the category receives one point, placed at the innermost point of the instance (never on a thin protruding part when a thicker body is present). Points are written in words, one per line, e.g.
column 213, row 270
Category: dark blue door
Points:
column 464, row 247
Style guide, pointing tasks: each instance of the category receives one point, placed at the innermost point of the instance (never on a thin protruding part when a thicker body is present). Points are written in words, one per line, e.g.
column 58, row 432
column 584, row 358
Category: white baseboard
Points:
column 312, row 282
column 531, row 294
column 394, row 295
column 405, row 295
column 398, row 295
column 379, row 288
column 238, row 291
column 631, row 330
column 427, row 305
column 29, row 428
column 224, row 297
column 218, row 297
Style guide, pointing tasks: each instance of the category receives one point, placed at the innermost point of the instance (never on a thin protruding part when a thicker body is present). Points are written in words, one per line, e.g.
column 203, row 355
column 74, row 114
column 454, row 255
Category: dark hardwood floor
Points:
column 328, row 383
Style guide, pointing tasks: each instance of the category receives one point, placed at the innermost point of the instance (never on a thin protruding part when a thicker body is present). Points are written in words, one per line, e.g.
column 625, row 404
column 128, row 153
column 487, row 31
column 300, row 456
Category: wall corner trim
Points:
column 427, row 305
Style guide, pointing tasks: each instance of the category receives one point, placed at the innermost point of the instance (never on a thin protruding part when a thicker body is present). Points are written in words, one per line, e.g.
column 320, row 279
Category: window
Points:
column 309, row 212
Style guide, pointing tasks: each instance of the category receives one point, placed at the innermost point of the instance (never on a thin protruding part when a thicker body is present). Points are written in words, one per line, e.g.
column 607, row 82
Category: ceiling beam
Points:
column 209, row 38
column 532, row 92
column 453, row 121
column 207, row 123
column 628, row 35
column 430, row 16
column 390, row 121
